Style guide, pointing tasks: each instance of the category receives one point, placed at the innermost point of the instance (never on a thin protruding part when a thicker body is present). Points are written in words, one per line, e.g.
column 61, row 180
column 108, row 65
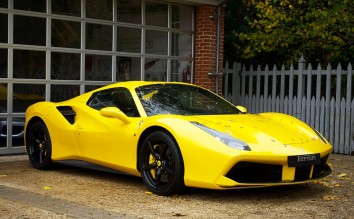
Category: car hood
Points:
column 261, row 129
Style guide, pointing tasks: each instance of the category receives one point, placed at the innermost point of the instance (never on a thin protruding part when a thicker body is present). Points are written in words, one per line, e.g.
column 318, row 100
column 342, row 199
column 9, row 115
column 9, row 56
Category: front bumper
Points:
column 253, row 174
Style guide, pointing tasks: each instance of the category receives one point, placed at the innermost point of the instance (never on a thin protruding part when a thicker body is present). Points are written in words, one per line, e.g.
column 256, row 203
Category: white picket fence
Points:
column 323, row 98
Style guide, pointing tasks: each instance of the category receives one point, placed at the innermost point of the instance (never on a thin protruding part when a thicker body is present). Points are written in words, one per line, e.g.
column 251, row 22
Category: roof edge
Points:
column 197, row 2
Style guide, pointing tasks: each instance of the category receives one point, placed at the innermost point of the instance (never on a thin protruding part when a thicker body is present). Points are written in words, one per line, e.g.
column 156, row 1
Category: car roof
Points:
column 135, row 84
column 130, row 85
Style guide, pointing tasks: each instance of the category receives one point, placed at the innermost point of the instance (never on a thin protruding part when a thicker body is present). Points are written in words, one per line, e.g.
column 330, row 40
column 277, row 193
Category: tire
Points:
column 161, row 164
column 39, row 146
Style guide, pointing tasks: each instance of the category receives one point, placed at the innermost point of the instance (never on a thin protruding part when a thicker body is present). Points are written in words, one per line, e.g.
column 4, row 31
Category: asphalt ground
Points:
column 71, row 192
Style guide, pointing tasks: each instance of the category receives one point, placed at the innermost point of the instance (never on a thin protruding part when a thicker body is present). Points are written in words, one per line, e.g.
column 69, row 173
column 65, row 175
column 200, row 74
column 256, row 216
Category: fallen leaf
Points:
column 342, row 175
column 179, row 215
column 330, row 197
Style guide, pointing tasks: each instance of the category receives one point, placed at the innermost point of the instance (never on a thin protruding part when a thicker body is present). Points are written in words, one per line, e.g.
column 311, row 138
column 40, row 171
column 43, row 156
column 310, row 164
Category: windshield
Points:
column 182, row 99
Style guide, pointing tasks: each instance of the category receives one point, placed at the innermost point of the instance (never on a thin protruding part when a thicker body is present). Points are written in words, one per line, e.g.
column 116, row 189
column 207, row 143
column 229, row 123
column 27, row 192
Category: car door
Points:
column 108, row 141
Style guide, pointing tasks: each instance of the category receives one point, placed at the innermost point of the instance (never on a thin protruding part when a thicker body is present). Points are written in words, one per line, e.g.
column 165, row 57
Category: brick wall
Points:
column 205, row 46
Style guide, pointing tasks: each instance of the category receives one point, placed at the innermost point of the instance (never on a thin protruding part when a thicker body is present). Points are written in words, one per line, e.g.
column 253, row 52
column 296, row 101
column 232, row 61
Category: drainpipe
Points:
column 217, row 73
column 217, row 51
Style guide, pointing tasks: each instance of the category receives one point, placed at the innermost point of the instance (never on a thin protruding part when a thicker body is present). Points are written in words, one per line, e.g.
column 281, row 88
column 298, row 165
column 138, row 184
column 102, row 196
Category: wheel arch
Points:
column 144, row 135
column 31, row 122
column 38, row 146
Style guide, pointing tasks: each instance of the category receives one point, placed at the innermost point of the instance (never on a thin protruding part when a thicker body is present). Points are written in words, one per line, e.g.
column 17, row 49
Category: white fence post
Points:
column 236, row 78
column 349, row 129
column 300, row 86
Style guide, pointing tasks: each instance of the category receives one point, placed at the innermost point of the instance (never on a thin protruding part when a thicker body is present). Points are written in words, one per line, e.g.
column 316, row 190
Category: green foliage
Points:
column 279, row 31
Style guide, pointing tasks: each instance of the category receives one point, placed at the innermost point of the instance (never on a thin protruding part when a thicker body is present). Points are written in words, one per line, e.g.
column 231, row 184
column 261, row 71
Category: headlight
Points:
column 320, row 136
column 224, row 138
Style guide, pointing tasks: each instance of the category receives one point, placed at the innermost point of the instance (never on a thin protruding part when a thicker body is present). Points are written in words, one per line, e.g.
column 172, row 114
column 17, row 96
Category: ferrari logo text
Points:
column 306, row 158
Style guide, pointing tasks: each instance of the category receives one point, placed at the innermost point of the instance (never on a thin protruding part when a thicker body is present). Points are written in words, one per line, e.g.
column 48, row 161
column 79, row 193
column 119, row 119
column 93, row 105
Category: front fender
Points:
column 205, row 157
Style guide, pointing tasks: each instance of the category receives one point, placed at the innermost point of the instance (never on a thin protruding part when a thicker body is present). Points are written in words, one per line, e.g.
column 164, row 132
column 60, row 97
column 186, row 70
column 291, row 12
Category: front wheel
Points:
column 161, row 164
column 39, row 146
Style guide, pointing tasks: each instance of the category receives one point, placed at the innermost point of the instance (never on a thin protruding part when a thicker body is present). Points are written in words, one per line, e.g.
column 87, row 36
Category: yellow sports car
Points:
column 175, row 135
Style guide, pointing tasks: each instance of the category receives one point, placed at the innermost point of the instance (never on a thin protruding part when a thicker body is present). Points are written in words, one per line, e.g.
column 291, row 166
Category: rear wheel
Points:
column 39, row 146
column 161, row 164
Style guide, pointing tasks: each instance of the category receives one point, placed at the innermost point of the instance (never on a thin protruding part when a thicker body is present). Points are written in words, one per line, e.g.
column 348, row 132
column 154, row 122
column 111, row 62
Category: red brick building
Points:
column 206, row 34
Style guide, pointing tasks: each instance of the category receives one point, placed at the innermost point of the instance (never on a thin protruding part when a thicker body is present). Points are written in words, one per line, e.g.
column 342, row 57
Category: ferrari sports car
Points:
column 175, row 135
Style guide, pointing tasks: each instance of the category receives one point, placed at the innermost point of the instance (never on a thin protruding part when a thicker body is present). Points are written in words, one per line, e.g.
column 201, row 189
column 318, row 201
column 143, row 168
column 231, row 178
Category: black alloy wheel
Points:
column 161, row 164
column 39, row 146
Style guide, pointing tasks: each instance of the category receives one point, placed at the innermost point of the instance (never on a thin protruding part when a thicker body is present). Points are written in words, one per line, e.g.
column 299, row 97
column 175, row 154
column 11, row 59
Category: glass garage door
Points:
column 53, row 50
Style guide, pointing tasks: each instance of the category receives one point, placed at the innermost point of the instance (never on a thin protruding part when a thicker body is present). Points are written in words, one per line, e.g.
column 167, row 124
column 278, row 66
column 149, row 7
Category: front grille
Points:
column 322, row 169
column 249, row 172
column 319, row 170
column 302, row 173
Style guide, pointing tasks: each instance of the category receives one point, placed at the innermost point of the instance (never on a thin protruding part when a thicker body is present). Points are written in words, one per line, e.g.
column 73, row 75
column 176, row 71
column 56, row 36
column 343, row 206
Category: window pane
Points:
column 3, row 132
column 98, row 68
column 3, row 63
column 181, row 44
column 92, row 87
column 26, row 95
column 65, row 66
column 128, row 68
column 128, row 39
column 18, row 131
column 29, row 30
column 115, row 97
column 3, row 28
column 156, row 42
column 67, row 7
column 3, row 109
column 182, row 17
column 30, row 5
column 99, row 37
column 99, row 9
column 64, row 92
column 129, row 11
column 156, row 14
column 3, row 98
column 66, row 33
column 3, row 4
column 181, row 71
column 29, row 64
column 155, row 69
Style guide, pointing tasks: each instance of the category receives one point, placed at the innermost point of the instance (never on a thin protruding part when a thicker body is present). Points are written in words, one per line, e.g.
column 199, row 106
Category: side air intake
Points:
column 68, row 113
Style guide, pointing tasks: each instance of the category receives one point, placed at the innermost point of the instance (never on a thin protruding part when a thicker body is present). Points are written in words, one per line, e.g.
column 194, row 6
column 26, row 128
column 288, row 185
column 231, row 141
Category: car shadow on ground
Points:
column 97, row 173
column 298, row 192
column 286, row 192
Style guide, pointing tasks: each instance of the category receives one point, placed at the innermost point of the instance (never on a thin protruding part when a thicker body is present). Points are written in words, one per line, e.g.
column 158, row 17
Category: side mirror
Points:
column 242, row 109
column 114, row 112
